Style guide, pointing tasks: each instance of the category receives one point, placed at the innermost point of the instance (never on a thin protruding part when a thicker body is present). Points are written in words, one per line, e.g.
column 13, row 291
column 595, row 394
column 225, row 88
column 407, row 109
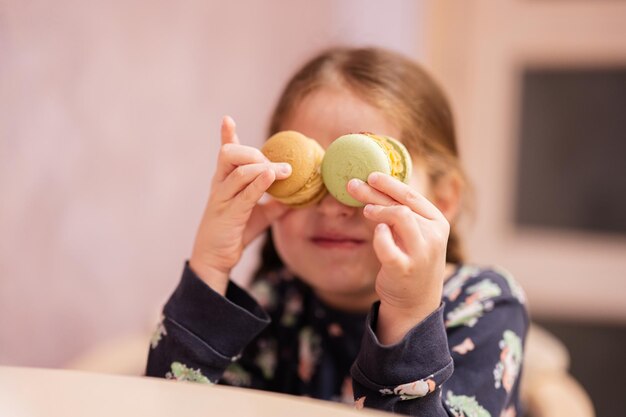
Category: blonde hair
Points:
column 404, row 92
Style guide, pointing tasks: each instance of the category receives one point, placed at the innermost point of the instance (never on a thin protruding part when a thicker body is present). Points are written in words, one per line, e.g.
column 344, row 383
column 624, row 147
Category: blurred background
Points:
column 109, row 127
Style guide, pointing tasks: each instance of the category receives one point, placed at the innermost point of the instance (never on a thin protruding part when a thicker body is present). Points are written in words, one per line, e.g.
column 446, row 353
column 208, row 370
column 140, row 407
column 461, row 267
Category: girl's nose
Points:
column 330, row 207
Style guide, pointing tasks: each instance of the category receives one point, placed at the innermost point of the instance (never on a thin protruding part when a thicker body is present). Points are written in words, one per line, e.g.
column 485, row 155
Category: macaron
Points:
column 304, row 186
column 357, row 155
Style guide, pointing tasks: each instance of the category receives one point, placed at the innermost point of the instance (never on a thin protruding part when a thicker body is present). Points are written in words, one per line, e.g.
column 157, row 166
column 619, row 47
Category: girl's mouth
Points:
column 336, row 242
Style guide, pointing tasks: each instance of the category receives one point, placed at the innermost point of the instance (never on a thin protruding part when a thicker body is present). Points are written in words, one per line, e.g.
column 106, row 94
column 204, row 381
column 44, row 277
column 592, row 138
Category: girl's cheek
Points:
column 288, row 225
column 419, row 180
column 283, row 220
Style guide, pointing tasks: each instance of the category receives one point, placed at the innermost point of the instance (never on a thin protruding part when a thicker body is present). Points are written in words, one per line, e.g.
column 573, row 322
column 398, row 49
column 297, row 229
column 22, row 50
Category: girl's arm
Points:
column 208, row 320
column 462, row 360
column 232, row 217
column 405, row 362
column 203, row 332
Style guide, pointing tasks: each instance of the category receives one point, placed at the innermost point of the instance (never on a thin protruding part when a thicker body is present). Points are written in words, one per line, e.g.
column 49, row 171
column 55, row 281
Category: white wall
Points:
column 109, row 121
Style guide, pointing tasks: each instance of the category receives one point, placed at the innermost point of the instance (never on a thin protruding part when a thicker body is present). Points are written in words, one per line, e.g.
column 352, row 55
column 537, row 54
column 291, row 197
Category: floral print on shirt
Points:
column 264, row 294
column 516, row 290
column 453, row 287
column 293, row 309
column 412, row 390
column 309, row 352
column 307, row 348
column 507, row 369
column 467, row 345
column 181, row 372
column 266, row 358
column 236, row 375
column 478, row 301
column 158, row 334
column 464, row 406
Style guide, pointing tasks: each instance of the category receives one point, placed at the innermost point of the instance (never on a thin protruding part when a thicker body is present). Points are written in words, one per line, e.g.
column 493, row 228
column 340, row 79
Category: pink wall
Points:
column 109, row 115
column 109, row 122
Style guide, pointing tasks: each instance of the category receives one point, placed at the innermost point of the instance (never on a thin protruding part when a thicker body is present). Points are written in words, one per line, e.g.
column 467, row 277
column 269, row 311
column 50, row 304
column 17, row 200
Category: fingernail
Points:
column 354, row 183
column 284, row 168
column 229, row 120
column 368, row 209
column 372, row 177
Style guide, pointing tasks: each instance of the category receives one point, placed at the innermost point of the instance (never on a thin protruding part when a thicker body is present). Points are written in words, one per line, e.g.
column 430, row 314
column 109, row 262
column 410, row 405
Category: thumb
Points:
column 229, row 131
column 261, row 217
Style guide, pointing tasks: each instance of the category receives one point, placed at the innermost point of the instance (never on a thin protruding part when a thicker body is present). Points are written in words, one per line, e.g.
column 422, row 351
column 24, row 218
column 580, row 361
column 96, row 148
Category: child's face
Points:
column 329, row 245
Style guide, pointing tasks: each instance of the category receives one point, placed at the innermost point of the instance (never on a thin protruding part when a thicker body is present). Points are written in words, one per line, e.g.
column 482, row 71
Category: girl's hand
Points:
column 232, row 217
column 410, row 242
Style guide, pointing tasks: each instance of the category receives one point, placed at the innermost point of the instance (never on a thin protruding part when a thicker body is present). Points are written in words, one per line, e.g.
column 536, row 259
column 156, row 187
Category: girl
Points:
column 441, row 337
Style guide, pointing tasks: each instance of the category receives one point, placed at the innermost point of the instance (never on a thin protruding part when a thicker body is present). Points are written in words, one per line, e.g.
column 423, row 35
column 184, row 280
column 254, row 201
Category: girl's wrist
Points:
column 213, row 277
column 394, row 323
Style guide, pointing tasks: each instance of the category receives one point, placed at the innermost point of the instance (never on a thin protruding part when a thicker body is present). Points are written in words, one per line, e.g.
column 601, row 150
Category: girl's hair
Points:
column 405, row 93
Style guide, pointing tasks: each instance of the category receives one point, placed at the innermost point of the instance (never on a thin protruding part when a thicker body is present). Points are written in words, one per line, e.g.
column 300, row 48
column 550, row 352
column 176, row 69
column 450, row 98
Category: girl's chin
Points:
column 345, row 297
column 341, row 283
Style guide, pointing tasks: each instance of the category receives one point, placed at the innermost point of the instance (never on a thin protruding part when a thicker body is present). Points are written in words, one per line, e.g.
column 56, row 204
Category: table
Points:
column 30, row 392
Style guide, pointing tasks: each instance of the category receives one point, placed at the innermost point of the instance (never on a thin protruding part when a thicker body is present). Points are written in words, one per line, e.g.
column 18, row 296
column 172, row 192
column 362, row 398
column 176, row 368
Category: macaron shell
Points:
column 304, row 186
column 351, row 156
column 312, row 191
column 300, row 200
column 300, row 152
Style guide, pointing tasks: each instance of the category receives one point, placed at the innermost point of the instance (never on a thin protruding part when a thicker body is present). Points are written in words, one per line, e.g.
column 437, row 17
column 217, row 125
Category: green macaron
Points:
column 357, row 155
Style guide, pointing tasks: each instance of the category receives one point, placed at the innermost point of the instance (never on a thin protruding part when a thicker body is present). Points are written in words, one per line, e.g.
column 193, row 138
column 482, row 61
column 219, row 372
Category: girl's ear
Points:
column 447, row 196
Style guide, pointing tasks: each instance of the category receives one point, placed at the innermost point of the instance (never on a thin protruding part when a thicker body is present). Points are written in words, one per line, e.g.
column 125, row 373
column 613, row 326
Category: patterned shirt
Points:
column 465, row 359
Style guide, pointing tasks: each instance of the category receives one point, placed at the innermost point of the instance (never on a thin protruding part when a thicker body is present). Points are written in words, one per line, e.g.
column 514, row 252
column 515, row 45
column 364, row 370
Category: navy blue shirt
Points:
column 465, row 359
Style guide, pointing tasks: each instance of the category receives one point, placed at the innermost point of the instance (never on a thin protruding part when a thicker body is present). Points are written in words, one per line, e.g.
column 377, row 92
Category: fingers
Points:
column 233, row 155
column 243, row 176
column 386, row 249
column 229, row 135
column 245, row 201
column 403, row 222
column 404, row 194
column 368, row 195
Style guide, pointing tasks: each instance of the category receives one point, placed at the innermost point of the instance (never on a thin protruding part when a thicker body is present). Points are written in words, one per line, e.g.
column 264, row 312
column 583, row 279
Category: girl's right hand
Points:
column 232, row 217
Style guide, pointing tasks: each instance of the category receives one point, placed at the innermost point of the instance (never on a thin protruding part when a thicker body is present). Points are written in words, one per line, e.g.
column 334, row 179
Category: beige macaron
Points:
column 304, row 186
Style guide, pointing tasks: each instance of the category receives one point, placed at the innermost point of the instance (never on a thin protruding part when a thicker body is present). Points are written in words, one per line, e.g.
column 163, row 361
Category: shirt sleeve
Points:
column 405, row 377
column 462, row 360
column 195, row 340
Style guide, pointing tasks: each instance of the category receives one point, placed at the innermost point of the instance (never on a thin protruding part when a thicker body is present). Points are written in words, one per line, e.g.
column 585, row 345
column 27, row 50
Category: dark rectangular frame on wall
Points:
column 497, row 61
column 504, row 64
column 563, row 219
column 568, row 213
column 571, row 159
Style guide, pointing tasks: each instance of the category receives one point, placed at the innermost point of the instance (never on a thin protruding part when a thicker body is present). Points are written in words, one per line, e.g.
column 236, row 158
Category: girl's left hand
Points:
column 410, row 242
